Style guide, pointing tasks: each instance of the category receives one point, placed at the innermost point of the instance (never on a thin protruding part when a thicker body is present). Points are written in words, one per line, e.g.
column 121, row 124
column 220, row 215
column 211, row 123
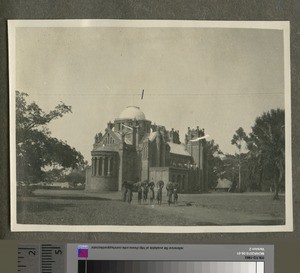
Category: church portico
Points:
column 103, row 165
column 104, row 171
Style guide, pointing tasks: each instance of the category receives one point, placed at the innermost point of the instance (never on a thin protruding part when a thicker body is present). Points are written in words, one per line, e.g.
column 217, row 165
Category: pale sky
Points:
column 218, row 79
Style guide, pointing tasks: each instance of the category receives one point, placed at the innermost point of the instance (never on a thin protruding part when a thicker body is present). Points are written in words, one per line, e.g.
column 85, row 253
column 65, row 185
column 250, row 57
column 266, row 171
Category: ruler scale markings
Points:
column 52, row 247
column 31, row 248
column 52, row 258
column 28, row 258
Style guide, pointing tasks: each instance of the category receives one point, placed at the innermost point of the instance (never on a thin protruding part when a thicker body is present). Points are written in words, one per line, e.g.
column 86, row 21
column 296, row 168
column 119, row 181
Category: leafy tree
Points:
column 35, row 147
column 238, row 138
column 76, row 177
column 230, row 169
column 214, row 163
column 267, row 142
column 255, row 165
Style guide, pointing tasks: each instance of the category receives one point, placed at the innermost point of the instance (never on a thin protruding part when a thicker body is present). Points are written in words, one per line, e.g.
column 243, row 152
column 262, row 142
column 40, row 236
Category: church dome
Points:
column 132, row 112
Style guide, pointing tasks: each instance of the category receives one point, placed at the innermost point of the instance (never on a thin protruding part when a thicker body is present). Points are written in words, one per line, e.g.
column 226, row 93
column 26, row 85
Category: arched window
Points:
column 178, row 178
column 179, row 181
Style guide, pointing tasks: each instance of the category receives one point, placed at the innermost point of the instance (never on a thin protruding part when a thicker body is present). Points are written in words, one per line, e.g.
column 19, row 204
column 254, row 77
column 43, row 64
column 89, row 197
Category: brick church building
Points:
column 133, row 148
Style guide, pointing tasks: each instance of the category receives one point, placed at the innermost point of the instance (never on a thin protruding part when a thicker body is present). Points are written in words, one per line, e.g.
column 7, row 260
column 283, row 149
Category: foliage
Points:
column 35, row 148
column 76, row 177
column 238, row 138
column 214, row 163
column 267, row 146
column 262, row 166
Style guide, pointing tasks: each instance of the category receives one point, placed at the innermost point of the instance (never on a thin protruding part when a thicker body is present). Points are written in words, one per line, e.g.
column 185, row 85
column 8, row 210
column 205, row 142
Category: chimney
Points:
column 110, row 125
column 186, row 141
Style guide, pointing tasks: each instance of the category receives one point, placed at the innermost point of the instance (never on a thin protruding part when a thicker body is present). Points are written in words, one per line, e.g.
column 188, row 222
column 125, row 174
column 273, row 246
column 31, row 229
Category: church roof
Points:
column 132, row 112
column 178, row 149
column 104, row 149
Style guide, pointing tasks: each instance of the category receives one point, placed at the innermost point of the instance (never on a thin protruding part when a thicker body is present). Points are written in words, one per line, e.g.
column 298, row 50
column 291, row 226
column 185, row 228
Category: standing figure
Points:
column 129, row 193
column 169, row 188
column 175, row 196
column 160, row 184
column 145, row 193
column 140, row 193
column 124, row 191
column 170, row 194
column 159, row 195
column 151, row 194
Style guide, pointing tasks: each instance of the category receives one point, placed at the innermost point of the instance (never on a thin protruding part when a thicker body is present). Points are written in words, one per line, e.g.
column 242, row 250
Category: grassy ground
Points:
column 79, row 208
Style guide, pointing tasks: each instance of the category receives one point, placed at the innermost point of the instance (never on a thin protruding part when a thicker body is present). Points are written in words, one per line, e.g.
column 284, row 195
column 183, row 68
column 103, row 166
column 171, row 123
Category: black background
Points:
column 287, row 245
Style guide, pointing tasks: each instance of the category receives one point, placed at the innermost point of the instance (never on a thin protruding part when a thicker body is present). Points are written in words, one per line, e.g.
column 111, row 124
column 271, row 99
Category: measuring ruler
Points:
column 41, row 258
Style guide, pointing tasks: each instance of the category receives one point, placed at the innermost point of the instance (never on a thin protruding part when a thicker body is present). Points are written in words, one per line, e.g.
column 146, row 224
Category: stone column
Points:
column 112, row 166
column 108, row 166
column 103, row 160
column 93, row 166
column 98, row 166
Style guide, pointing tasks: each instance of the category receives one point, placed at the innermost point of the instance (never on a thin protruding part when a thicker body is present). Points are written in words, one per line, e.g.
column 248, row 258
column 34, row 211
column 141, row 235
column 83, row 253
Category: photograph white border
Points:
column 275, row 25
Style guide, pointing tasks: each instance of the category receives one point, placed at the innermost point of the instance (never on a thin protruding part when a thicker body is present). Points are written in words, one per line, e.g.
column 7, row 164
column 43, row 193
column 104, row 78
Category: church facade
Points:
column 134, row 149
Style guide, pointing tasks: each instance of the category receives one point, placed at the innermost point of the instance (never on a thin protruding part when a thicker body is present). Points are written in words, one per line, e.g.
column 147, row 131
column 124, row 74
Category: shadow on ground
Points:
column 39, row 207
column 65, row 197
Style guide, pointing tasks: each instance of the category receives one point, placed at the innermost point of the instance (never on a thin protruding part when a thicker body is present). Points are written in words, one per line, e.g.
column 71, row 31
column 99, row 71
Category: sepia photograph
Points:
column 150, row 126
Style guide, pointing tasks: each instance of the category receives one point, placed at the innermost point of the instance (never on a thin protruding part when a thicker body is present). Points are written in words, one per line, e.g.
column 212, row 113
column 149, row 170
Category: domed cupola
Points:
column 132, row 112
column 132, row 119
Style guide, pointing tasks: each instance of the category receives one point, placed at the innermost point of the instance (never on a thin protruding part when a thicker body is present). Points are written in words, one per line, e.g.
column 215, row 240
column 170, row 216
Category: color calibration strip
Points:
column 98, row 266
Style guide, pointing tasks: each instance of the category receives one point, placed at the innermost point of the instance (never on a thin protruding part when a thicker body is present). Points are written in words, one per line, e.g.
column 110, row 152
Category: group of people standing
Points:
column 146, row 191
